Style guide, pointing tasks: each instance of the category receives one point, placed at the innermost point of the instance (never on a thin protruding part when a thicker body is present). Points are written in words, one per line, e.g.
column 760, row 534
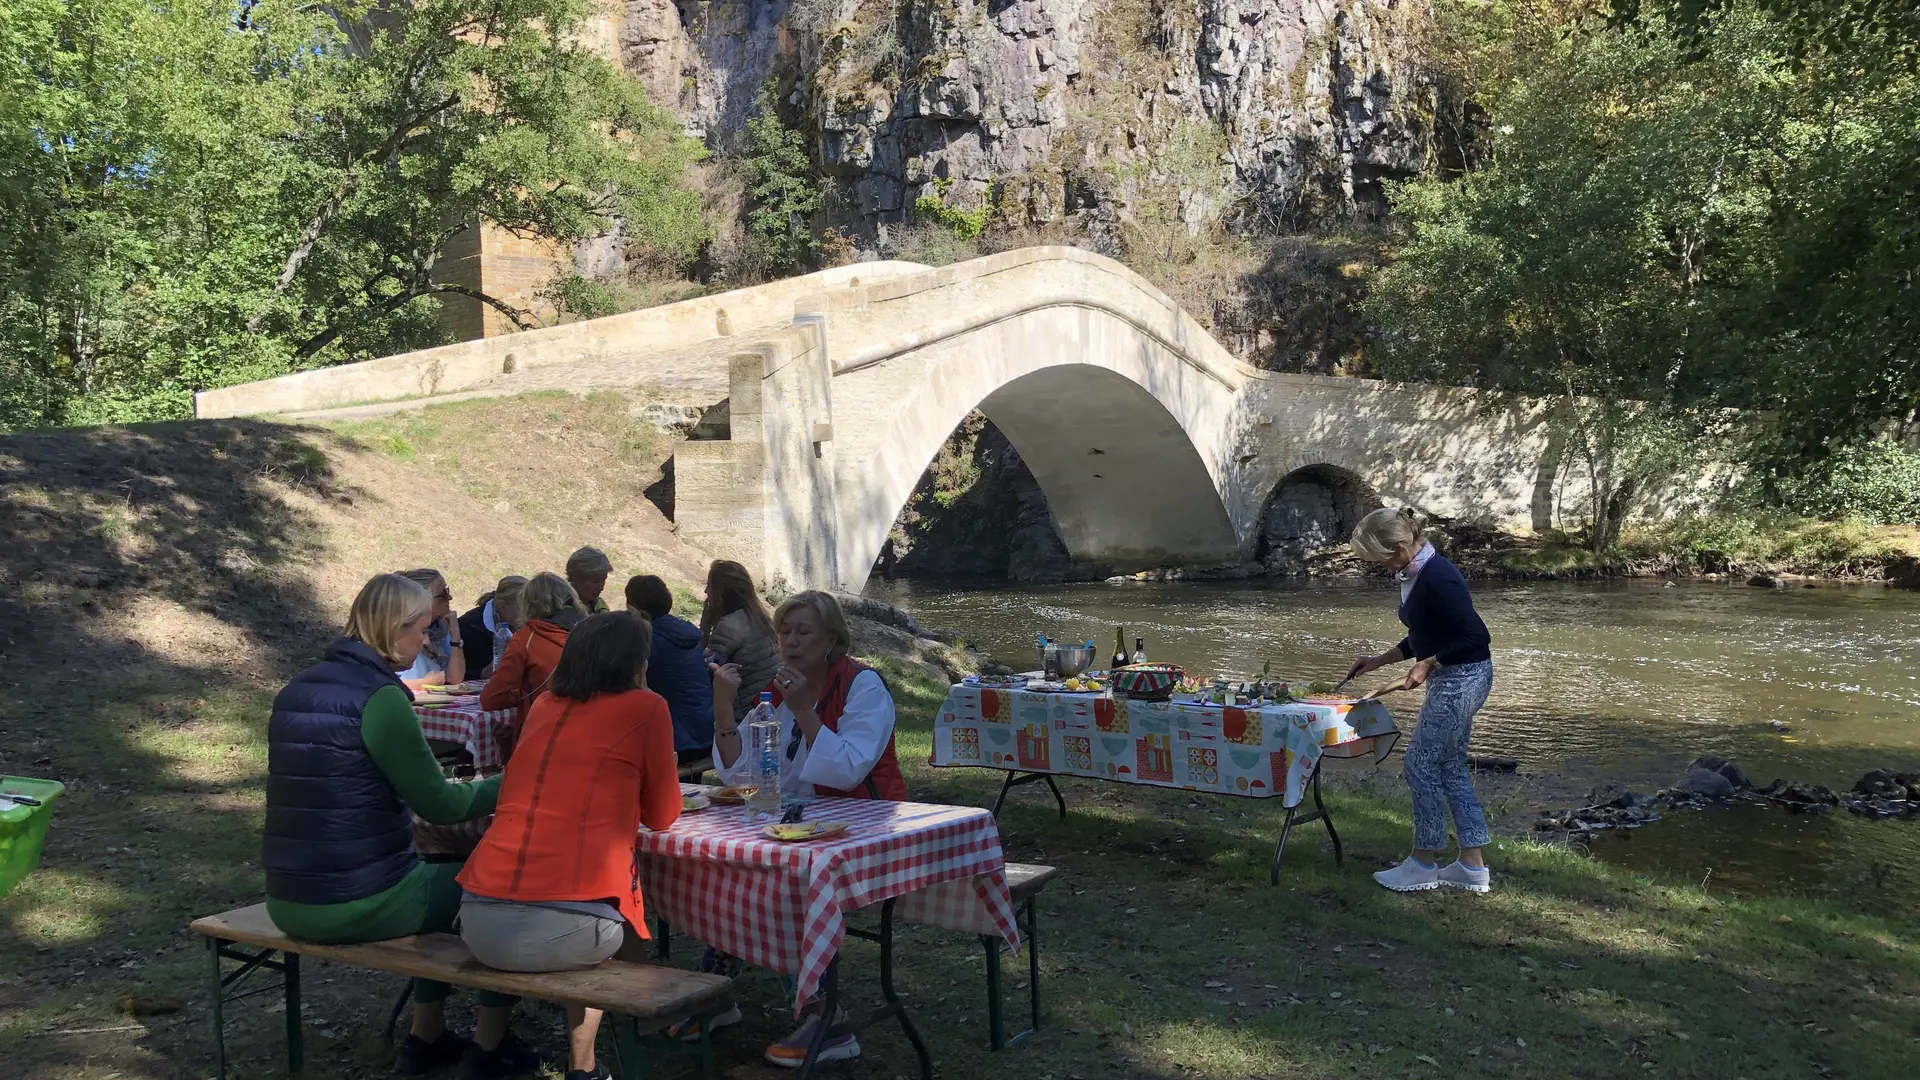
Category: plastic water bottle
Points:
column 763, row 742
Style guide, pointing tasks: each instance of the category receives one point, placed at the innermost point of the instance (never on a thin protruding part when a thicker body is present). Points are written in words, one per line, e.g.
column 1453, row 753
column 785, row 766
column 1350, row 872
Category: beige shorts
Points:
column 528, row 937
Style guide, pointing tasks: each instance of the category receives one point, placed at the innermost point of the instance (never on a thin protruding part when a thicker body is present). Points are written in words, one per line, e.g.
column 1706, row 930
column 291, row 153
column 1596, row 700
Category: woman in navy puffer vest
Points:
column 347, row 767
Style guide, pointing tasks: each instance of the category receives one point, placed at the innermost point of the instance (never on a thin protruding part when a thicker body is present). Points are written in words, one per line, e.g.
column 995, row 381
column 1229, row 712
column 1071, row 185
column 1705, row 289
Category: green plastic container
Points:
column 23, row 828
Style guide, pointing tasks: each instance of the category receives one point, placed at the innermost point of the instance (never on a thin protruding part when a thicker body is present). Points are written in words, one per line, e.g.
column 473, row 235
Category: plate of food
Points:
column 691, row 801
column 427, row 698
column 732, row 796
column 468, row 687
column 793, row 832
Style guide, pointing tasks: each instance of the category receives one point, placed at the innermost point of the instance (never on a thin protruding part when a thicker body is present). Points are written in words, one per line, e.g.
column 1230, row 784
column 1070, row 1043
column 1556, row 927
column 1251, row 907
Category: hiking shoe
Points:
column 791, row 1052
column 478, row 1064
column 599, row 1073
column 1458, row 875
column 419, row 1057
column 1409, row 876
column 689, row 1030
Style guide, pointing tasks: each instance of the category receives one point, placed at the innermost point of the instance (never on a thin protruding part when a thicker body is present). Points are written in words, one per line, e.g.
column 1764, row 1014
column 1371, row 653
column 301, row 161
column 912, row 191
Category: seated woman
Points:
column 551, row 886
column 836, row 723
column 677, row 668
column 738, row 630
column 587, row 571
column 442, row 660
column 551, row 609
column 346, row 763
column 488, row 626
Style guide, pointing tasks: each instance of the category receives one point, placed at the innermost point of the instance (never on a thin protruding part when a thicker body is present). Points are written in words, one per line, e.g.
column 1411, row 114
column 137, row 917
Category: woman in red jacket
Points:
column 526, row 667
column 551, row 886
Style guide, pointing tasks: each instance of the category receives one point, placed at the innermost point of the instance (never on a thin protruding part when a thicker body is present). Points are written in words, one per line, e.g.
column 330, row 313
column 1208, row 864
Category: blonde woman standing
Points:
column 1449, row 645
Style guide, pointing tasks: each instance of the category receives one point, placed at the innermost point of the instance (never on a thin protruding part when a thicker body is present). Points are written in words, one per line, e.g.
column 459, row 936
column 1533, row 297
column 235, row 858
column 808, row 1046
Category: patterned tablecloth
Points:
column 484, row 733
column 782, row 905
column 1255, row 752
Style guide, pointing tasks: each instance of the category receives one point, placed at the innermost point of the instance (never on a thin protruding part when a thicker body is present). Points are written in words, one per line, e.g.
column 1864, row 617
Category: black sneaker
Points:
column 520, row 1053
column 478, row 1064
column 418, row 1056
column 599, row 1073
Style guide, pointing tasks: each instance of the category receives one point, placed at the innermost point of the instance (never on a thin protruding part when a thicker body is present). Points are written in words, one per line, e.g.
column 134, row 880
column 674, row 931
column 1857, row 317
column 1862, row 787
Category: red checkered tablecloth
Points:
column 485, row 733
column 782, row 905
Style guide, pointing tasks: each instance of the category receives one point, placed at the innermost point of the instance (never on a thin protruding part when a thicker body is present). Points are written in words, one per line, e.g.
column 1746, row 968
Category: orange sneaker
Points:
column 791, row 1052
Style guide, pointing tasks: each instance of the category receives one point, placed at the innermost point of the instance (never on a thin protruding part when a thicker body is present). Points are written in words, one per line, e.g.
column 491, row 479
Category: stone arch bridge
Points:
column 1154, row 445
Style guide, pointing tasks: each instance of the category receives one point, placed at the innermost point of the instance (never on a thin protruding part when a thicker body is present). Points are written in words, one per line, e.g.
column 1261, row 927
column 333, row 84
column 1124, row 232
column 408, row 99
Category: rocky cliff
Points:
column 1272, row 112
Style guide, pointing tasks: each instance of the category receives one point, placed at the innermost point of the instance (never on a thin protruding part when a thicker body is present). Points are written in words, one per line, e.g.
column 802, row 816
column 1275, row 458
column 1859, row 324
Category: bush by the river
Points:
column 1878, row 482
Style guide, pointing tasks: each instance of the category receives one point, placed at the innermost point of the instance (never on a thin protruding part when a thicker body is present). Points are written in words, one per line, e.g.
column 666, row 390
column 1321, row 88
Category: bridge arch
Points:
column 1311, row 508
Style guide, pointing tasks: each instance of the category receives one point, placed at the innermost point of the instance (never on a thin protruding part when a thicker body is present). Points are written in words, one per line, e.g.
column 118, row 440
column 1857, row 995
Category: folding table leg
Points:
column 996, row 1018
column 1018, row 779
column 1321, row 808
column 1057, row 797
column 893, row 999
column 219, row 1011
column 1295, row 817
column 1002, row 799
column 829, row 1002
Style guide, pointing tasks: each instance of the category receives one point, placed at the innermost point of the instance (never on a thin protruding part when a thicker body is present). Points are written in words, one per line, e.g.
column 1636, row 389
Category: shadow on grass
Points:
column 148, row 610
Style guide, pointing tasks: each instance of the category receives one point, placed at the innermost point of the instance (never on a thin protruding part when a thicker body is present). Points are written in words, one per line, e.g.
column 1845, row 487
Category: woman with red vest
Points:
column 836, row 731
column 551, row 886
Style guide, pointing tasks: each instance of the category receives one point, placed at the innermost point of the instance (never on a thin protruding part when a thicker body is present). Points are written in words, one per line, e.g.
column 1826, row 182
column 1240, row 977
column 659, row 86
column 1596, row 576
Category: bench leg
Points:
column 626, row 1048
column 1033, row 958
column 399, row 1006
column 219, row 1012
column 290, row 971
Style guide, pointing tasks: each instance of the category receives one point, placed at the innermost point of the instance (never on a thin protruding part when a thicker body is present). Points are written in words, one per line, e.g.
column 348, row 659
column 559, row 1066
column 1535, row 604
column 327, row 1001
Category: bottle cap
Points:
column 766, row 696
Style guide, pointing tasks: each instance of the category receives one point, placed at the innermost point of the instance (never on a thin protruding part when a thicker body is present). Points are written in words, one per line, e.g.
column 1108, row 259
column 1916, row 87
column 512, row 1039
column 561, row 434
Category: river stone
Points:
column 1706, row 782
column 1725, row 768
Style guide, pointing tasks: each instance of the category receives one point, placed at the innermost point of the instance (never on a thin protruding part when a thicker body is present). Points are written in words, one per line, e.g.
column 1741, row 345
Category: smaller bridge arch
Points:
column 1311, row 508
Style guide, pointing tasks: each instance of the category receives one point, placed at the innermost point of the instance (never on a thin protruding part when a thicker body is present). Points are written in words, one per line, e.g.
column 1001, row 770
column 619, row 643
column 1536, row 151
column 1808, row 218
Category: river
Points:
column 1595, row 683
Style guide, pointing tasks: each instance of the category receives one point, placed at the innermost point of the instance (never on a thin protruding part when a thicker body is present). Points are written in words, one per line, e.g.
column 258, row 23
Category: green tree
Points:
column 193, row 195
column 783, row 192
column 1593, row 259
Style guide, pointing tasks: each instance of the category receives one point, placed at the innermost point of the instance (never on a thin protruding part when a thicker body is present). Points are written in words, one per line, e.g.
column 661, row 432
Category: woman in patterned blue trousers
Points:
column 1449, row 645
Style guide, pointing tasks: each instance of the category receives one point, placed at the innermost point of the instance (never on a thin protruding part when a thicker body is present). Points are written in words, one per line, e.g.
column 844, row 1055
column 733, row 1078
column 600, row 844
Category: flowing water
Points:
column 1595, row 683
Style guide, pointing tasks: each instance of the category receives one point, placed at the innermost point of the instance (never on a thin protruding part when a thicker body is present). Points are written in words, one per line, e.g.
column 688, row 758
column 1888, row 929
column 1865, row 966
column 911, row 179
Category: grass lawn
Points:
column 1165, row 952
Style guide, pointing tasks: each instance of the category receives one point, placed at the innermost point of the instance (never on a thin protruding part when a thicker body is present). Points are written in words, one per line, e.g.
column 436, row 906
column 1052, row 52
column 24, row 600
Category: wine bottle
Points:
column 1119, row 648
column 1139, row 650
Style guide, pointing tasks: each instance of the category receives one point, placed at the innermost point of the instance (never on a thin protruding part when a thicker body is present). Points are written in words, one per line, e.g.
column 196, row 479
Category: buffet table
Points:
column 1260, row 753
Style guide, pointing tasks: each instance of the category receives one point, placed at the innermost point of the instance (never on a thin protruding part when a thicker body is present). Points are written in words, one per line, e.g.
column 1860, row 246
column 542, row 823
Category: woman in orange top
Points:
column 552, row 885
column 526, row 667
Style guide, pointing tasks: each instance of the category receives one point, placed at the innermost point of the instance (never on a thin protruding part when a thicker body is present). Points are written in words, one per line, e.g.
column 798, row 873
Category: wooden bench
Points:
column 1024, row 881
column 643, row 999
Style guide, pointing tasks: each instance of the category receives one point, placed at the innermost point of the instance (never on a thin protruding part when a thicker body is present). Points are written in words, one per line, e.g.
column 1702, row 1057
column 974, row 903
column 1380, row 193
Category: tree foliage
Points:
column 783, row 190
column 193, row 194
column 1666, row 226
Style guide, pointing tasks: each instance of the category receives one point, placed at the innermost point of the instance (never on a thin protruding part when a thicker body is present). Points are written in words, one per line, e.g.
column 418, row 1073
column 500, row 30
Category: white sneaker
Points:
column 1409, row 876
column 1458, row 875
column 689, row 1030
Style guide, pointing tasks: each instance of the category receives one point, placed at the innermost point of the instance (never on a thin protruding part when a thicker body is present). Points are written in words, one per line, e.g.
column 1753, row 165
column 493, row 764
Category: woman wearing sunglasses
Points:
column 836, row 735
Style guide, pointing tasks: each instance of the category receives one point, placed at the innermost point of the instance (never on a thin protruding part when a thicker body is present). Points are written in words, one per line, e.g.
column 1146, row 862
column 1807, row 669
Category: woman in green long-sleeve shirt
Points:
column 347, row 768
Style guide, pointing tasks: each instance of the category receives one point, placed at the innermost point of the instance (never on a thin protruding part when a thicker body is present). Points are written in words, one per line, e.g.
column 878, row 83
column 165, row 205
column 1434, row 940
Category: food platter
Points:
column 457, row 689
column 800, row 831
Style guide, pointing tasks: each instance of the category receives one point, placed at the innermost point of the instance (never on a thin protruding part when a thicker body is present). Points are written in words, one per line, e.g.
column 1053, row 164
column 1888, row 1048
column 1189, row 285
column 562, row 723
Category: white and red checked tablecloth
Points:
column 782, row 906
column 485, row 733
column 1254, row 752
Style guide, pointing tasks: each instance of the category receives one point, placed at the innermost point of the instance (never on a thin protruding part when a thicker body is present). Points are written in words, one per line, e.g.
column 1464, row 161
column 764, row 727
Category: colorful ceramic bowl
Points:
column 1147, row 682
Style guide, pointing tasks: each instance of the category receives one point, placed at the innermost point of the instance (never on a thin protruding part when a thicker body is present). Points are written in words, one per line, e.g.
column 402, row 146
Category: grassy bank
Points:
column 1740, row 545
column 1165, row 951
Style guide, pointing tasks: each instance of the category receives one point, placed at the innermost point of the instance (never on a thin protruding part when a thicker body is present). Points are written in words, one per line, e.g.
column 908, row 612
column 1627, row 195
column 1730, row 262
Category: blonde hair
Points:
column 588, row 560
column 427, row 578
column 506, row 599
column 832, row 619
column 385, row 605
column 1388, row 532
column 545, row 596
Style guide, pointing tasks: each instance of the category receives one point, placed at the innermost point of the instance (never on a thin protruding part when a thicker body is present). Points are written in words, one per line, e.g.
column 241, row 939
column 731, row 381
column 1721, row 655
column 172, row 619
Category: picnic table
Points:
column 486, row 733
column 783, row 906
column 1273, row 751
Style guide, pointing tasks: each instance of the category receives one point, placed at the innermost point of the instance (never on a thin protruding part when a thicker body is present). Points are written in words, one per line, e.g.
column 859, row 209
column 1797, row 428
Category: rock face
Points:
column 993, row 524
column 1286, row 110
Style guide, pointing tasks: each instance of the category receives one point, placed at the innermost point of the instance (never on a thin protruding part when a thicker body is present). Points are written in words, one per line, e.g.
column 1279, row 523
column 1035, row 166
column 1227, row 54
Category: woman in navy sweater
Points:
column 1449, row 647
